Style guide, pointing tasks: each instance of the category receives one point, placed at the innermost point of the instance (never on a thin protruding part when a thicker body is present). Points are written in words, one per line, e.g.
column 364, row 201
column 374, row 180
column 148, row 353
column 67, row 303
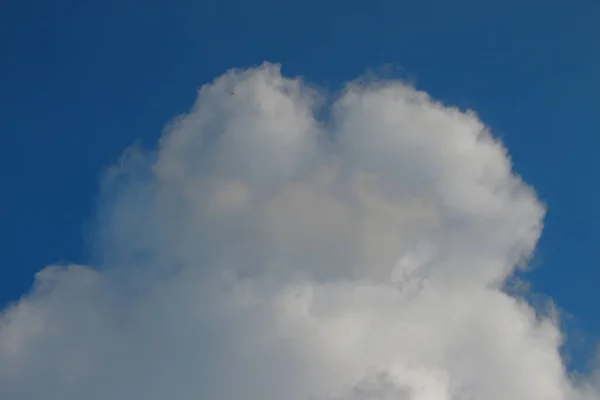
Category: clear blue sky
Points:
column 81, row 80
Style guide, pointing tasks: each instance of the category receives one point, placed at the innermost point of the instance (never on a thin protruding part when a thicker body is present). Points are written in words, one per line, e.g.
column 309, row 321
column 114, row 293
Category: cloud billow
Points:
column 263, row 253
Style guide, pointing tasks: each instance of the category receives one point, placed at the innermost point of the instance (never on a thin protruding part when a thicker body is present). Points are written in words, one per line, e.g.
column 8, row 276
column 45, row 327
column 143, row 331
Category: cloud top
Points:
column 275, row 246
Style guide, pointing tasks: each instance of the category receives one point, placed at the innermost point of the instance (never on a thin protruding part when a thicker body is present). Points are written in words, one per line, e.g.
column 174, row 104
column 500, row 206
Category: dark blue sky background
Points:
column 81, row 80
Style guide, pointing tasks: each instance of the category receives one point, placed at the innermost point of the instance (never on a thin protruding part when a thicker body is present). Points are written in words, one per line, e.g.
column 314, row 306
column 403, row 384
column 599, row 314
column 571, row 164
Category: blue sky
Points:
column 83, row 80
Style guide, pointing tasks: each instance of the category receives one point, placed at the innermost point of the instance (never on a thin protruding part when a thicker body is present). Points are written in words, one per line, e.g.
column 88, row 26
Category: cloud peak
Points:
column 262, row 252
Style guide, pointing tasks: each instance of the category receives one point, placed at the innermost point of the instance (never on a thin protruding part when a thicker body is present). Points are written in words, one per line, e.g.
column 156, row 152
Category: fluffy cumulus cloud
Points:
column 279, row 244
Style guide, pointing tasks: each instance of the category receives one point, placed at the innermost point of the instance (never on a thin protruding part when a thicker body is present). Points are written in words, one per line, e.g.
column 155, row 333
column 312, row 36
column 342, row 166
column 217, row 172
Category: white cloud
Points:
column 263, row 254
